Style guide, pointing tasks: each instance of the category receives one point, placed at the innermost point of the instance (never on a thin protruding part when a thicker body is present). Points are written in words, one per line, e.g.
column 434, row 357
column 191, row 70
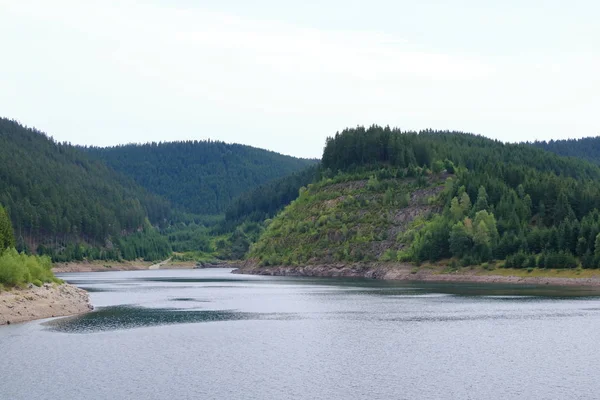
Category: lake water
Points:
column 209, row 334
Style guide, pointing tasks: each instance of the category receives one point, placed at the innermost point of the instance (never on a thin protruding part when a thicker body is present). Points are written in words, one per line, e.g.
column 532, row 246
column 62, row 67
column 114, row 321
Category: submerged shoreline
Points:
column 408, row 272
column 103, row 266
column 47, row 301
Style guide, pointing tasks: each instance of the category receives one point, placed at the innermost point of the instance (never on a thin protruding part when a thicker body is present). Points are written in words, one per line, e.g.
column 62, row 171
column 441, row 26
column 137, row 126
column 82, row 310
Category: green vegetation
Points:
column 7, row 238
column 199, row 177
column 585, row 148
column 60, row 200
column 378, row 194
column 351, row 217
column 386, row 201
column 267, row 200
column 19, row 269
column 65, row 202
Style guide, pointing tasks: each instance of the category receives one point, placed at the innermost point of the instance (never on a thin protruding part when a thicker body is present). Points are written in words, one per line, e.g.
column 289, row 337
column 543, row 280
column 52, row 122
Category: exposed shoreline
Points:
column 408, row 272
column 103, row 266
column 51, row 300
column 47, row 301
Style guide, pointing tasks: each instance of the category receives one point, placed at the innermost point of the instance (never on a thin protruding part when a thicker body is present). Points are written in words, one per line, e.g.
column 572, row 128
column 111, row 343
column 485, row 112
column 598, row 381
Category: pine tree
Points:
column 7, row 238
column 563, row 209
column 482, row 201
column 460, row 240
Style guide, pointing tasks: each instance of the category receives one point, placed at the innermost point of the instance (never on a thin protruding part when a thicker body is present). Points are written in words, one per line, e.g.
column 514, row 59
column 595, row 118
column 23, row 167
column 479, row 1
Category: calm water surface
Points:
column 208, row 334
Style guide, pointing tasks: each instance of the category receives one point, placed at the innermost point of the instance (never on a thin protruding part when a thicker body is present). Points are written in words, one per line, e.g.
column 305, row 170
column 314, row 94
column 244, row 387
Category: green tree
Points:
column 482, row 202
column 7, row 238
column 456, row 210
column 460, row 241
column 563, row 209
column 597, row 247
column 485, row 235
column 465, row 202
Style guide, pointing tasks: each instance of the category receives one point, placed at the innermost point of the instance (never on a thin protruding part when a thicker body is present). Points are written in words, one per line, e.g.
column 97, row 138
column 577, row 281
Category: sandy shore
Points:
column 19, row 305
column 407, row 272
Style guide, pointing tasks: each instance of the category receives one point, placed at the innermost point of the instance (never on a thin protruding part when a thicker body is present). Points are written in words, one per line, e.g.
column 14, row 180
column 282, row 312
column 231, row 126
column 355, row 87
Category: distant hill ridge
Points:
column 56, row 195
column 587, row 148
column 200, row 177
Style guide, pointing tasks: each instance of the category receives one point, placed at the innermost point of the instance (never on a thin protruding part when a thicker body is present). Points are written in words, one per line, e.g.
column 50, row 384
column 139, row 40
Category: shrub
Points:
column 389, row 255
column 403, row 200
column 518, row 260
column 488, row 266
column 19, row 269
column 557, row 260
column 373, row 184
column 449, row 166
column 437, row 166
column 468, row 261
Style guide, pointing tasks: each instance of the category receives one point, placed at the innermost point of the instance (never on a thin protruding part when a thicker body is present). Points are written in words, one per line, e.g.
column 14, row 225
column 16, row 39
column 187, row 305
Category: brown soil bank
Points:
column 100, row 266
column 47, row 301
column 407, row 272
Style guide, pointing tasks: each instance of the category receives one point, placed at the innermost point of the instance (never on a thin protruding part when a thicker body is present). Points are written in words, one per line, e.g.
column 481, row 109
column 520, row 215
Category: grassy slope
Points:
column 351, row 219
column 347, row 219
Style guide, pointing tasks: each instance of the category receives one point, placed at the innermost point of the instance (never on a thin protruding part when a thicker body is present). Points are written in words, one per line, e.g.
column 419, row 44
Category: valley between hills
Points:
column 381, row 203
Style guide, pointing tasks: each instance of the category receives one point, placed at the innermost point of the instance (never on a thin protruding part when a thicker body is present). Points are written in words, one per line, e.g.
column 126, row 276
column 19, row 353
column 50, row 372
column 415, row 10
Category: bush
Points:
column 403, row 200
column 449, row 166
column 37, row 282
column 468, row 260
column 19, row 269
column 530, row 262
column 518, row 260
column 389, row 255
column 488, row 266
column 557, row 260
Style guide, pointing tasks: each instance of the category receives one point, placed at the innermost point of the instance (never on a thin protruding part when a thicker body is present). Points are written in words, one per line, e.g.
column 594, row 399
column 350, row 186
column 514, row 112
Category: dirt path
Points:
column 160, row 264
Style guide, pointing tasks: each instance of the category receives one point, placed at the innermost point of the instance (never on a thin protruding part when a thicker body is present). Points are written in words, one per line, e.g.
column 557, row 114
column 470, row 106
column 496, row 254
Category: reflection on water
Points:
column 189, row 299
column 128, row 317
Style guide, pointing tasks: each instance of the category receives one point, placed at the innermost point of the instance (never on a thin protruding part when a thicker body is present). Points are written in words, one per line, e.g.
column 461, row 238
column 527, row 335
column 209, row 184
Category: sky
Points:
column 284, row 75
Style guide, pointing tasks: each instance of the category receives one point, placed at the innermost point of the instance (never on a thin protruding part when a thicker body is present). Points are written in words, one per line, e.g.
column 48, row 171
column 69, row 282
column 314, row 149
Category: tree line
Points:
column 511, row 202
column 198, row 177
column 61, row 201
column 586, row 148
column 266, row 200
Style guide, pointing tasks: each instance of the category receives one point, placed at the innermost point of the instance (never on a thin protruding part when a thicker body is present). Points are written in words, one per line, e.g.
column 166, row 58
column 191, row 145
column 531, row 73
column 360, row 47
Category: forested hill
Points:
column 55, row 195
column 586, row 148
column 200, row 177
column 389, row 195
column 266, row 200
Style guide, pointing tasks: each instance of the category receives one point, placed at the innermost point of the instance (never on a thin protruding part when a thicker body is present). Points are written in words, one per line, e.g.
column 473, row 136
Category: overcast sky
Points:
column 285, row 75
